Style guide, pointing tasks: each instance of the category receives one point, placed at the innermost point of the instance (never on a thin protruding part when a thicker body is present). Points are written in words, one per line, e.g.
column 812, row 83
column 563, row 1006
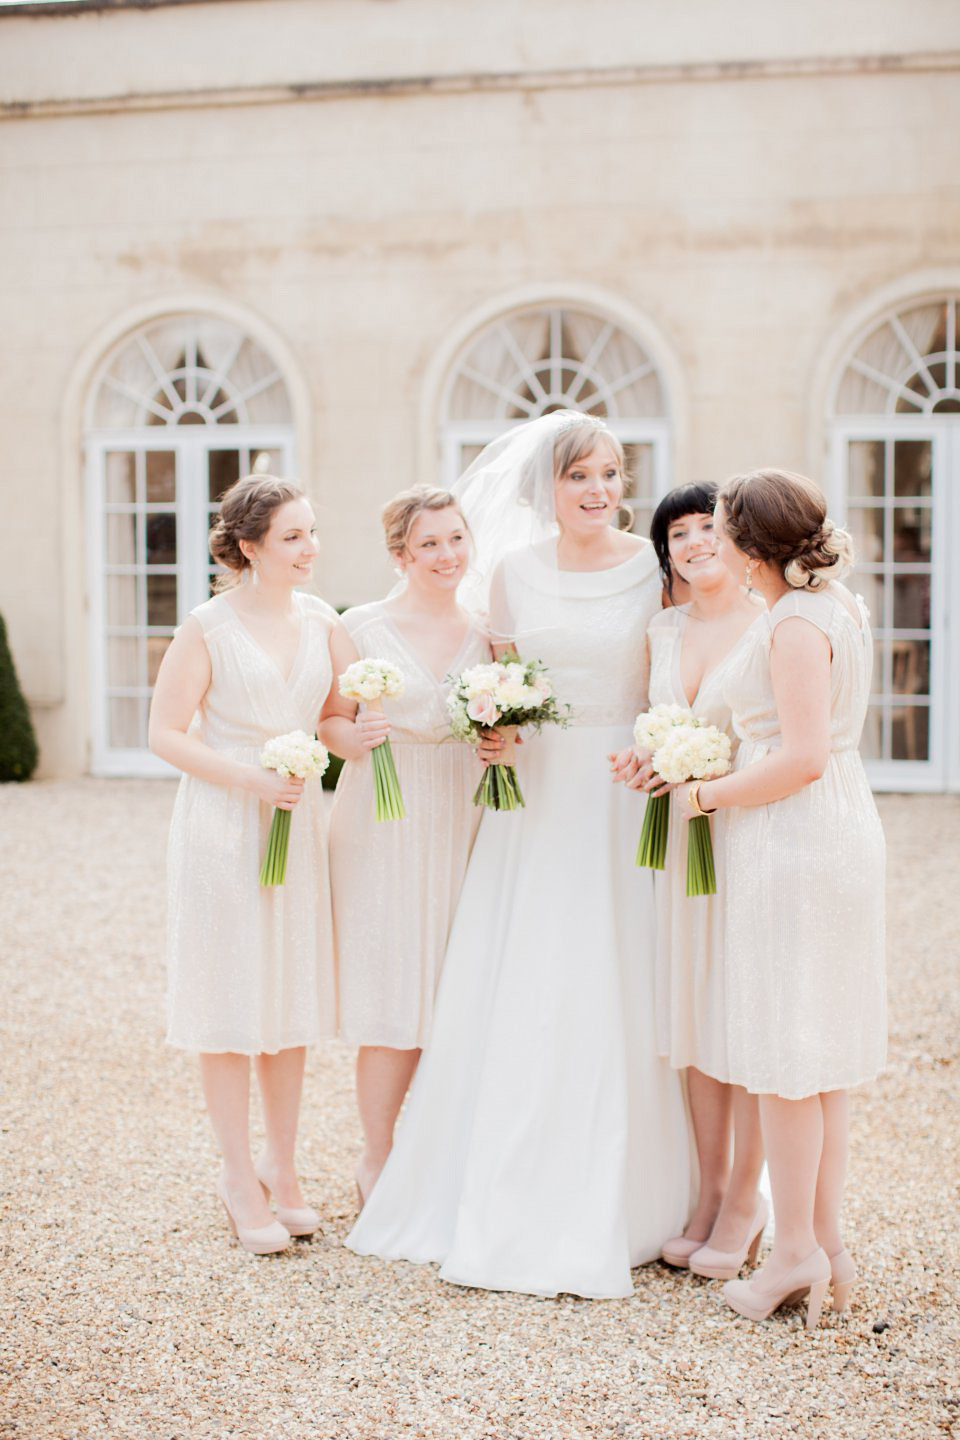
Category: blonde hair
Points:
column 399, row 514
column 781, row 517
column 576, row 442
column 246, row 511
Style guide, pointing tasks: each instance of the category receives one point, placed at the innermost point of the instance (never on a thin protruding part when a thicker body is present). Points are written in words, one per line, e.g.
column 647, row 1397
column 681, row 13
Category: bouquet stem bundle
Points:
column 701, row 875
column 652, row 850
column 386, row 781
column 274, row 868
column 500, row 789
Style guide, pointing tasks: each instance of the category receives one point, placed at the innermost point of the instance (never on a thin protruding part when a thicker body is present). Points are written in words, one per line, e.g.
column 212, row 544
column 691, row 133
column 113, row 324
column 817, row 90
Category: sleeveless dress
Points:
column 691, row 1018
column 250, row 968
column 396, row 883
column 804, row 928
column 544, row 1147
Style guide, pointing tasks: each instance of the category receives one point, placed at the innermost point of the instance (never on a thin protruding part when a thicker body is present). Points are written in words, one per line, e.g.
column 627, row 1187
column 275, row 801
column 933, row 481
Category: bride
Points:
column 544, row 1147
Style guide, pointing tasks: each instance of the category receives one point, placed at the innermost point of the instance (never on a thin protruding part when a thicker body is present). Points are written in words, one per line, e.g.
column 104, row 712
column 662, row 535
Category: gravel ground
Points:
column 127, row 1311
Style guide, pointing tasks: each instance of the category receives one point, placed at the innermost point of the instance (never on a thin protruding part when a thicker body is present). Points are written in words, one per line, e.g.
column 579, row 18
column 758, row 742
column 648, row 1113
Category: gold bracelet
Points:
column 693, row 800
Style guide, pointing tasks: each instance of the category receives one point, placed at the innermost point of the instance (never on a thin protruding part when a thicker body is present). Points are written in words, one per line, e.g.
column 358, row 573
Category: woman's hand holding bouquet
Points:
column 682, row 748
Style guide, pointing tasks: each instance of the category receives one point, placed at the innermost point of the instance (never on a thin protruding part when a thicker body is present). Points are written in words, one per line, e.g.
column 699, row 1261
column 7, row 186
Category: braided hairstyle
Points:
column 246, row 511
column 780, row 517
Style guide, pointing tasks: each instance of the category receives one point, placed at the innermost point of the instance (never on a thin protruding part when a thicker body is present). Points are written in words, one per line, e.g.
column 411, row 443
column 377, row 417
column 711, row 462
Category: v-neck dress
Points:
column 690, row 987
column 396, row 882
column 250, row 968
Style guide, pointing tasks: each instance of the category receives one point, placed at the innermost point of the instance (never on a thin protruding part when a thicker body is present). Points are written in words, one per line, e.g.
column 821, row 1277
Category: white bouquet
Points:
column 369, row 682
column 504, row 695
column 684, row 748
column 294, row 754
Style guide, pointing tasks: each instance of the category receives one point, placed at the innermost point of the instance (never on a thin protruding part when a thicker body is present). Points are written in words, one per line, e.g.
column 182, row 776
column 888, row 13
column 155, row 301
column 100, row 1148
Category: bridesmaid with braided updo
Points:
column 250, row 967
column 803, row 939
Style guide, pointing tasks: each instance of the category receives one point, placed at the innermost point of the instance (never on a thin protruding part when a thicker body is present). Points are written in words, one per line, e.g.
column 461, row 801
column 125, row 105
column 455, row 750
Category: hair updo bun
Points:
column 781, row 518
column 246, row 511
column 400, row 513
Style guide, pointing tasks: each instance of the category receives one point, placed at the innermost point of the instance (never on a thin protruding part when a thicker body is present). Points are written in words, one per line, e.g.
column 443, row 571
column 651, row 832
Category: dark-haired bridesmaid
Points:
column 691, row 647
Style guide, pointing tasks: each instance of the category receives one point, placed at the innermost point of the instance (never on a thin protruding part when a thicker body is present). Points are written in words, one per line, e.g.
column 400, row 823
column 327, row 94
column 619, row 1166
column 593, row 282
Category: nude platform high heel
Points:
column 811, row 1278
column 299, row 1221
column 843, row 1275
column 677, row 1252
column 727, row 1264
column 264, row 1239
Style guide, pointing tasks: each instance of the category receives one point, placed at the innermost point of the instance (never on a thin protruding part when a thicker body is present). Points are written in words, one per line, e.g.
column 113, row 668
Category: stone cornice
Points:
column 523, row 81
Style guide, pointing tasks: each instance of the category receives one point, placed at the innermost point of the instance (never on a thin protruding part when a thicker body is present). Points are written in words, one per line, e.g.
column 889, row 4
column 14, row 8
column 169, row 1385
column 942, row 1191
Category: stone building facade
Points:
column 354, row 239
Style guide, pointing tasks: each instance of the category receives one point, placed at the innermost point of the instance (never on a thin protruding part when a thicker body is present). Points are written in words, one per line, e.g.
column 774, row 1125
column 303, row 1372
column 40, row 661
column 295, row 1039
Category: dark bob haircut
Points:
column 684, row 500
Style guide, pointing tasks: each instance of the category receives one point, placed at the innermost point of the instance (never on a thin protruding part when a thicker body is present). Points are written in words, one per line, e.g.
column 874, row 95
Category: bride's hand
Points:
column 491, row 745
column 281, row 791
column 372, row 727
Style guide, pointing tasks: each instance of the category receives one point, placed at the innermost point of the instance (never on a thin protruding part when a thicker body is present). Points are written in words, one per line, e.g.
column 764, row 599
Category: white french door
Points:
column 898, row 492
column 151, row 498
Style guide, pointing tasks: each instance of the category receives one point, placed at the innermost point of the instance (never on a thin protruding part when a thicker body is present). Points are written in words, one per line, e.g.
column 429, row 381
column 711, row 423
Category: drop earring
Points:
column 751, row 565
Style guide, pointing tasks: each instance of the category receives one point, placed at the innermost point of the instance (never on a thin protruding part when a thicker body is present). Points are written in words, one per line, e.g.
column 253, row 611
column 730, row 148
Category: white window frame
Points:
column 941, row 771
column 192, row 445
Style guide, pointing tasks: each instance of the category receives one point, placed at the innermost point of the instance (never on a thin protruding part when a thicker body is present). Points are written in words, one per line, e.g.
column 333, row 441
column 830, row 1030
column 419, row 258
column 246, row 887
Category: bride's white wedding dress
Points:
column 544, row 1147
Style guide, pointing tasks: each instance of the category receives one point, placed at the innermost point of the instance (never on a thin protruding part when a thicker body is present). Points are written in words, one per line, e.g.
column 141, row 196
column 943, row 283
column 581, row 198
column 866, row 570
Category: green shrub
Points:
column 18, row 744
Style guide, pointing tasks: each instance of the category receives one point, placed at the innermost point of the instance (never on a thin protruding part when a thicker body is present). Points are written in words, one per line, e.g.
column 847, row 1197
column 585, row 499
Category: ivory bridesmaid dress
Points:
column 250, row 968
column 396, row 882
column 691, row 1005
column 804, row 928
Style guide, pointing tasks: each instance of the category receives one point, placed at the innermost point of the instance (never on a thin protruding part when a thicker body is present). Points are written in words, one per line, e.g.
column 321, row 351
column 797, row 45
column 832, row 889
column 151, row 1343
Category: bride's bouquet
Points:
column 504, row 694
column 371, row 682
column 684, row 748
column 294, row 754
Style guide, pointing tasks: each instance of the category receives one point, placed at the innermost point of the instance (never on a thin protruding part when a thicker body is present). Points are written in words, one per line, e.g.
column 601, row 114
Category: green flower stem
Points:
column 652, row 850
column 499, row 789
column 274, row 868
column 386, row 784
column 701, row 875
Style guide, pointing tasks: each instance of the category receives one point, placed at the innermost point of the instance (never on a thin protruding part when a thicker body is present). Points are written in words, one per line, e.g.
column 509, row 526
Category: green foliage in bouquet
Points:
column 18, row 744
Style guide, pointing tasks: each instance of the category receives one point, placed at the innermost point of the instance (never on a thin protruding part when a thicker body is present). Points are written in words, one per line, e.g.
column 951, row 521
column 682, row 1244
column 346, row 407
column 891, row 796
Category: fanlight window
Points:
column 538, row 360
column 908, row 365
column 190, row 370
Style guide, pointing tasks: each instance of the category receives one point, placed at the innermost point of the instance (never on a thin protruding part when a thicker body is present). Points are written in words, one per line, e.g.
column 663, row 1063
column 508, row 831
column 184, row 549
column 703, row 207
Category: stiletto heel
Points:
column 815, row 1298
column 299, row 1221
column 727, row 1264
column 843, row 1274
column 811, row 1277
column 264, row 1239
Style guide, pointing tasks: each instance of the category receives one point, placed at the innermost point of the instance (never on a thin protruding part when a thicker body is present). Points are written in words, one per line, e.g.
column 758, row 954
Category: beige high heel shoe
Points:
column 264, row 1239
column 811, row 1278
column 727, row 1264
column 677, row 1252
column 299, row 1221
column 843, row 1275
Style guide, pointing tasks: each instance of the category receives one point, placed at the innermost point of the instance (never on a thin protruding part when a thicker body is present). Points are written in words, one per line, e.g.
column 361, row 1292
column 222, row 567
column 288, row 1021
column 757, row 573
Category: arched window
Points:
column 179, row 411
column 552, row 357
column 896, row 437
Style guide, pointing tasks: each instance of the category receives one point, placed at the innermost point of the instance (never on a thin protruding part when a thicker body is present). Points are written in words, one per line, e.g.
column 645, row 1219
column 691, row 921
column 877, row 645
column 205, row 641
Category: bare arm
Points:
column 800, row 675
column 342, row 728
column 182, row 681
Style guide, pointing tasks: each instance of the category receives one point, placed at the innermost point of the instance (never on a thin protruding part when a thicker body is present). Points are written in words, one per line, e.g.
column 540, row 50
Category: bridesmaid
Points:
column 804, row 927
column 690, row 649
column 250, row 968
column 396, row 883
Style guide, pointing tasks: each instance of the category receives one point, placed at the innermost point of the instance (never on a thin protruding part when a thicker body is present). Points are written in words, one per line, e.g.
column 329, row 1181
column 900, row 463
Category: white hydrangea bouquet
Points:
column 683, row 748
column 295, row 754
column 370, row 682
column 505, row 694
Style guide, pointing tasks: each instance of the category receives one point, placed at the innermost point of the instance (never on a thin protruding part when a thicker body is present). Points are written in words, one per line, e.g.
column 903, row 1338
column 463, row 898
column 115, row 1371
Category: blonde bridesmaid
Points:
column 804, row 927
column 250, row 968
column 396, row 883
column 690, row 650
